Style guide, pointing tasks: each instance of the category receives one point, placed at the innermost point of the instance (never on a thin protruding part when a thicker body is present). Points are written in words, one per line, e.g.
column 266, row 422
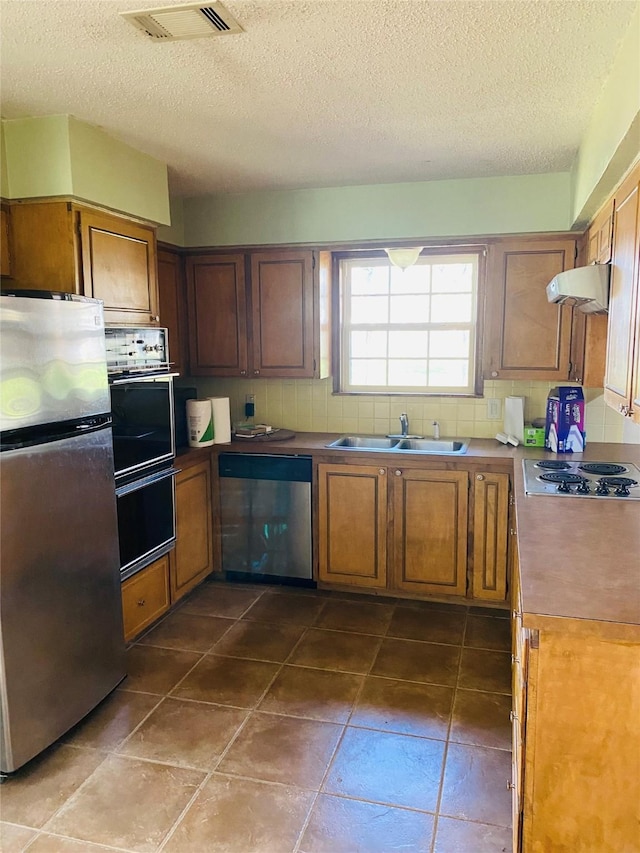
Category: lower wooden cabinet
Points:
column 430, row 531
column 490, row 535
column 352, row 545
column 576, row 748
column 407, row 529
column 145, row 597
column 192, row 558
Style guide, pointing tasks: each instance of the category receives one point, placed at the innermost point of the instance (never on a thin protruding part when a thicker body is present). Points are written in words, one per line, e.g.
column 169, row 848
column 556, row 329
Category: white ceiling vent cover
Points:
column 193, row 21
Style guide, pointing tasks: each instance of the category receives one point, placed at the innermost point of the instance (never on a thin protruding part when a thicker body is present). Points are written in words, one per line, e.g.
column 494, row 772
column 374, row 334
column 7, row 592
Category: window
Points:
column 409, row 331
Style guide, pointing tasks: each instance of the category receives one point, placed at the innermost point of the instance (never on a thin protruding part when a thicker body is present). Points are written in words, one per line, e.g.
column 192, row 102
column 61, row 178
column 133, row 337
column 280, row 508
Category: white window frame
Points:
column 347, row 261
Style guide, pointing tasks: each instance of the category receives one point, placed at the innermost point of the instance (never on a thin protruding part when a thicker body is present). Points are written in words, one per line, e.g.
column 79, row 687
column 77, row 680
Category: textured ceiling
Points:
column 326, row 92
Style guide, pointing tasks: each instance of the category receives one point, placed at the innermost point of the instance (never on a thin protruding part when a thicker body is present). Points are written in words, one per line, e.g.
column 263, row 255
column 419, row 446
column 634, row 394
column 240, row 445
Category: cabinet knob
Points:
column 256, row 372
column 479, row 476
column 494, row 373
column 510, row 785
column 141, row 602
column 398, row 472
column 512, row 716
column 381, row 471
column 155, row 318
column 243, row 373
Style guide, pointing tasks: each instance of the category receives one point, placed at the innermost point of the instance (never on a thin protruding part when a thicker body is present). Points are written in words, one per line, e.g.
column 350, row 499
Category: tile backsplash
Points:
column 308, row 405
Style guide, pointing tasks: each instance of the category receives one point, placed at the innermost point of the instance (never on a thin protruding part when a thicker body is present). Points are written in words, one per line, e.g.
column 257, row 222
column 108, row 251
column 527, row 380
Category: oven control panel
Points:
column 132, row 351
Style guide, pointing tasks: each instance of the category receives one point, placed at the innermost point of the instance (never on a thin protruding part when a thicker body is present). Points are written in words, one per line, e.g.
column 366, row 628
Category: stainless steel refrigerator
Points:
column 61, row 636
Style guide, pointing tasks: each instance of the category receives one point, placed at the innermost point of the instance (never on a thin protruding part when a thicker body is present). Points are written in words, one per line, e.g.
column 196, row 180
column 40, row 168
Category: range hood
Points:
column 587, row 287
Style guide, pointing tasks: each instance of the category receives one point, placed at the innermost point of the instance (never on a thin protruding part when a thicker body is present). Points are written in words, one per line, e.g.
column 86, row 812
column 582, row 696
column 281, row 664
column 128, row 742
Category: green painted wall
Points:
column 515, row 204
column 38, row 161
column 108, row 172
column 612, row 140
column 61, row 156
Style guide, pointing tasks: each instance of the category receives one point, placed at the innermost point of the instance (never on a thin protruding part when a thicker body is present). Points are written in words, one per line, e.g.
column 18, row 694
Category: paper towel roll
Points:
column 200, row 423
column 221, row 419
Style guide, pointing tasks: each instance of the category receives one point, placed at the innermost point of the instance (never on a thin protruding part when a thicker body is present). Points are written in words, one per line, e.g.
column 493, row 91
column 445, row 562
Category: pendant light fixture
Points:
column 404, row 257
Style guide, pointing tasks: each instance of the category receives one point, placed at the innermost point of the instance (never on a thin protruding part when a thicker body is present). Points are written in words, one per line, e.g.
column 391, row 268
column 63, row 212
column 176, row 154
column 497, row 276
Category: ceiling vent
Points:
column 194, row 21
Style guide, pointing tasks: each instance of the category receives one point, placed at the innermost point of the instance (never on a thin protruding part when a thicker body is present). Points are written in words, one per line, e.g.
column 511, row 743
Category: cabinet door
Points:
column 282, row 314
column 430, row 531
column 192, row 558
column 599, row 236
column 145, row 597
column 46, row 247
column 352, row 524
column 217, row 315
column 119, row 266
column 5, row 241
column 588, row 349
column 490, row 522
column 526, row 337
column 623, row 298
column 172, row 303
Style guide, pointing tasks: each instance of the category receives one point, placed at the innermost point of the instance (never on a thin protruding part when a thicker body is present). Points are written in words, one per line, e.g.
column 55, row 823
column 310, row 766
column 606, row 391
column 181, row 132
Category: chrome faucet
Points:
column 404, row 424
column 436, row 430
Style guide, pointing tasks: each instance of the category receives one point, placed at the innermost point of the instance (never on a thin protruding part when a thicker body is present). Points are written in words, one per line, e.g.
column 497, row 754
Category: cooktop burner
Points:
column 601, row 468
column 553, row 465
column 579, row 479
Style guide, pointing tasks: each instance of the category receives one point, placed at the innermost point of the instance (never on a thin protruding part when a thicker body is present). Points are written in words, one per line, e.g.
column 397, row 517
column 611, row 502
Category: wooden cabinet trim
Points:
column 192, row 558
column 490, row 536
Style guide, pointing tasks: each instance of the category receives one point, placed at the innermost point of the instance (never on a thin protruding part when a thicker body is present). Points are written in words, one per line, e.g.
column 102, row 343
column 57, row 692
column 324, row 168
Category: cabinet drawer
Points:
column 145, row 597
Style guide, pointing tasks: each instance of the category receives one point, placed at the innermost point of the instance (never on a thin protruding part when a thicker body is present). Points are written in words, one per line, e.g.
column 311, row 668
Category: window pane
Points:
column 368, row 372
column 449, row 344
column 369, row 309
column 409, row 309
column 449, row 374
column 414, row 279
column 374, row 280
column 369, row 344
column 408, row 344
column 406, row 373
column 452, row 278
column 451, row 309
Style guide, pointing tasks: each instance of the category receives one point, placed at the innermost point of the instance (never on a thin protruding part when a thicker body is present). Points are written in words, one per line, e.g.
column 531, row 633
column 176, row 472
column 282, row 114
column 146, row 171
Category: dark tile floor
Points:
column 270, row 720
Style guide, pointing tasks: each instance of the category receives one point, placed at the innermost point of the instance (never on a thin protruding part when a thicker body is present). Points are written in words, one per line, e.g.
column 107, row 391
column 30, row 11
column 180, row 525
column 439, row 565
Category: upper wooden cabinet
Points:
column 622, row 380
column 599, row 236
column 66, row 247
column 525, row 336
column 172, row 306
column 264, row 314
column 6, row 250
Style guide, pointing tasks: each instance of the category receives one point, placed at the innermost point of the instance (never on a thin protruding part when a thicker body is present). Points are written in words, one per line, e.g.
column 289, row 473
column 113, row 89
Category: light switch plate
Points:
column 494, row 409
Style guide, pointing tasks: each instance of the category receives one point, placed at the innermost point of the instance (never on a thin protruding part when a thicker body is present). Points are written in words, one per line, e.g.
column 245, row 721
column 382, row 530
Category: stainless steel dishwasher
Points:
column 266, row 517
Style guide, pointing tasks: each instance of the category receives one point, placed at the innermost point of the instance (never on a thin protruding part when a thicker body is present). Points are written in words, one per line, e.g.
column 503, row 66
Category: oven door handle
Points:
column 146, row 481
column 141, row 377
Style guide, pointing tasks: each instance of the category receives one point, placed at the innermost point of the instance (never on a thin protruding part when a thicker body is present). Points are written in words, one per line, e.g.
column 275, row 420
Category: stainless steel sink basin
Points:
column 365, row 442
column 434, row 445
column 405, row 445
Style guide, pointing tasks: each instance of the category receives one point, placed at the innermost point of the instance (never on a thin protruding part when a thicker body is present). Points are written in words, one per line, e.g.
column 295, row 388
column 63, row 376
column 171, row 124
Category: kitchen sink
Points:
column 404, row 445
column 434, row 445
column 365, row 442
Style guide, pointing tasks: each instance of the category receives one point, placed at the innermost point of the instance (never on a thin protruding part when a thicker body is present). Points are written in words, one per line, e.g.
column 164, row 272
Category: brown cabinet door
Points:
column 5, row 241
column 172, row 303
column 120, row 267
column 430, row 531
column 352, row 523
column 526, row 337
column 623, row 299
column 217, row 315
column 46, row 249
column 599, row 236
column 490, row 536
column 145, row 597
column 192, row 558
column 282, row 314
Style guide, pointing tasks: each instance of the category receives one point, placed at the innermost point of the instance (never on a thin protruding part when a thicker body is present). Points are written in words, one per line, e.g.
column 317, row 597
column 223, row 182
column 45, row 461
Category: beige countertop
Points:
column 579, row 558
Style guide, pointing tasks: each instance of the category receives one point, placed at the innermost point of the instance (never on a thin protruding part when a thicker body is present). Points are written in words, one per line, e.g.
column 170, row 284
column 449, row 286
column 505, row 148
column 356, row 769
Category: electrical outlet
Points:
column 494, row 409
column 250, row 398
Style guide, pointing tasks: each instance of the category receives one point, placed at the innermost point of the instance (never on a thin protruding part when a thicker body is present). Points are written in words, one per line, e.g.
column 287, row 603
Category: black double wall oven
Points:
column 141, row 387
